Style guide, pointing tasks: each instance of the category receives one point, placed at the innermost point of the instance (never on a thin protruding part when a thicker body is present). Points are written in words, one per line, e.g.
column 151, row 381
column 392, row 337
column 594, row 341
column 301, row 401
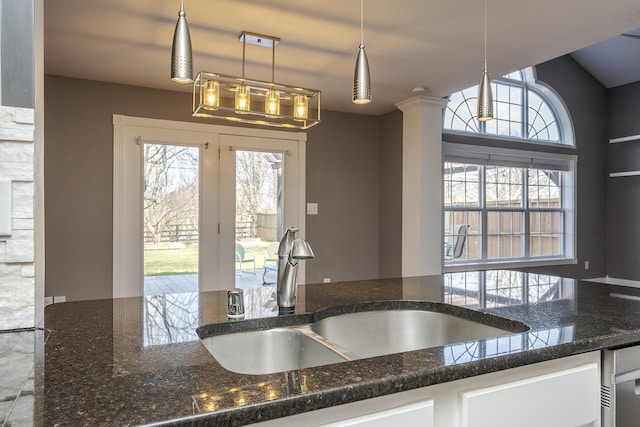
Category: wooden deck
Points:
column 178, row 283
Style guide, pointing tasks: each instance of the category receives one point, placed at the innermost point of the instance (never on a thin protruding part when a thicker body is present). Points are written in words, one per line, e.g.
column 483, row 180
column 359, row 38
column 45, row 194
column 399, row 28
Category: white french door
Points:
column 288, row 206
column 215, row 148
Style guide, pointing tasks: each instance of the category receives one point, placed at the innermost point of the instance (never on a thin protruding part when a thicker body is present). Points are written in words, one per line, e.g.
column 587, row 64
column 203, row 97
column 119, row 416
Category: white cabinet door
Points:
column 567, row 398
column 418, row 414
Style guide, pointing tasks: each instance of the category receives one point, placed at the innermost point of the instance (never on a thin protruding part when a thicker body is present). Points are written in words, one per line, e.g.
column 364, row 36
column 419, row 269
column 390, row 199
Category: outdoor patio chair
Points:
column 241, row 258
column 271, row 253
column 270, row 261
column 454, row 251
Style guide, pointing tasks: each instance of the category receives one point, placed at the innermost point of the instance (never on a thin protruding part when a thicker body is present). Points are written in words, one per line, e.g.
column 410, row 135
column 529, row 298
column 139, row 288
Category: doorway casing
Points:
column 128, row 134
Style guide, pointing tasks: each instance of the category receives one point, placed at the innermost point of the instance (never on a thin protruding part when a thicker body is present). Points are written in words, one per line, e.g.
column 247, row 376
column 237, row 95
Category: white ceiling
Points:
column 409, row 43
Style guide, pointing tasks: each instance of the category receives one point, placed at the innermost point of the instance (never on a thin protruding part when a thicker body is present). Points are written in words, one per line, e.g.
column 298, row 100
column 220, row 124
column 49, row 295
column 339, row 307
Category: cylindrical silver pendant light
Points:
column 485, row 96
column 181, row 58
column 362, row 78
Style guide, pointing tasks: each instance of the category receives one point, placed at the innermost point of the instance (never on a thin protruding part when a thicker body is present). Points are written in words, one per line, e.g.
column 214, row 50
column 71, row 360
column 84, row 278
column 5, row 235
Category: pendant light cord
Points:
column 361, row 23
column 273, row 60
column 244, row 44
column 485, row 34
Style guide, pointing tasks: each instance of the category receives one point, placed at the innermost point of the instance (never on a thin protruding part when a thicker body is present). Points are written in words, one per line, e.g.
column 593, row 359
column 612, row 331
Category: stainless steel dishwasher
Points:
column 621, row 387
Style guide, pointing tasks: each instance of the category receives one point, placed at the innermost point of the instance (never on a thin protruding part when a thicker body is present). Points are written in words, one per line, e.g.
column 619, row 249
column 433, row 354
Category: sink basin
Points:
column 380, row 332
column 341, row 333
column 272, row 350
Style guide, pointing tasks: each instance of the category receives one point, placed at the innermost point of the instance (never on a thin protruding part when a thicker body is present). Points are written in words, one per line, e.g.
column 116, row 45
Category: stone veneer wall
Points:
column 17, row 378
column 17, row 277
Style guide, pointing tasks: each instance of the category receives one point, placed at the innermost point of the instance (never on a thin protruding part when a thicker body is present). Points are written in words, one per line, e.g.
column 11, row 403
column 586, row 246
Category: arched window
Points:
column 508, row 206
column 523, row 109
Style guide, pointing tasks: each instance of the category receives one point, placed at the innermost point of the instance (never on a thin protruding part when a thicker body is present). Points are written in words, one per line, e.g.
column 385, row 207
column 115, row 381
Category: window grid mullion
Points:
column 482, row 291
column 527, row 215
column 483, row 206
column 525, row 111
column 561, row 235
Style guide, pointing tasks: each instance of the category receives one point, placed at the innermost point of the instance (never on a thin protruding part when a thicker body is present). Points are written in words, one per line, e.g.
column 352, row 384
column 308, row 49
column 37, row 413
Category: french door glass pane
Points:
column 171, row 230
column 259, row 202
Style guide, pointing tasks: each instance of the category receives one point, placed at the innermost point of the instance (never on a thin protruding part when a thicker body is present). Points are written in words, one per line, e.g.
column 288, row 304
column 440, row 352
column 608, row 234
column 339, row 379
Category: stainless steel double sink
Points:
column 340, row 334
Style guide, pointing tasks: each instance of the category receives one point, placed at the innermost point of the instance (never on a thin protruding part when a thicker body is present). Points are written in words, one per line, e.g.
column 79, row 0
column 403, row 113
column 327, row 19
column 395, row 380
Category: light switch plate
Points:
column 312, row 209
column 5, row 207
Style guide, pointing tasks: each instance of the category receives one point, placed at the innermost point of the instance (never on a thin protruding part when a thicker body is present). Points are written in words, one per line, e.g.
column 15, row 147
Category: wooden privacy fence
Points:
column 267, row 227
column 264, row 228
column 245, row 229
column 184, row 233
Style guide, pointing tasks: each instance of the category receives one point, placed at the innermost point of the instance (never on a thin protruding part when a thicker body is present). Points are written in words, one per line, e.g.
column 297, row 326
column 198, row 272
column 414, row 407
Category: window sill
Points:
column 499, row 265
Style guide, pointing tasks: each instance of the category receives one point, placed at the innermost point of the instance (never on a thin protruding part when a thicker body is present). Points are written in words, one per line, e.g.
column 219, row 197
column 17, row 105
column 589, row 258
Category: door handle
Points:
column 627, row 376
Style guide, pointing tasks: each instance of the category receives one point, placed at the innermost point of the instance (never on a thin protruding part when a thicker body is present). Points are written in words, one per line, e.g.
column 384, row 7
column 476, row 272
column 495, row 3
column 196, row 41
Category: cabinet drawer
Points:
column 565, row 398
column 414, row 414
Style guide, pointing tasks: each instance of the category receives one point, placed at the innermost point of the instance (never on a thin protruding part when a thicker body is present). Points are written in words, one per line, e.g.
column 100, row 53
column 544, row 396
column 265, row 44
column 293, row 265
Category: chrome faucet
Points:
column 290, row 252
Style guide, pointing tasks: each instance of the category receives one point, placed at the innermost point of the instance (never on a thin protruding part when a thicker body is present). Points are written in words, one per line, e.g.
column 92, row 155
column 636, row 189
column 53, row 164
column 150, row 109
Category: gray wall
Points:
column 342, row 176
column 623, row 194
column 79, row 176
column 586, row 100
column 390, row 251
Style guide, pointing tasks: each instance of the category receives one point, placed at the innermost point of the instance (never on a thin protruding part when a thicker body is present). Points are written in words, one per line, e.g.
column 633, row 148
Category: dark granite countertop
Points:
column 136, row 361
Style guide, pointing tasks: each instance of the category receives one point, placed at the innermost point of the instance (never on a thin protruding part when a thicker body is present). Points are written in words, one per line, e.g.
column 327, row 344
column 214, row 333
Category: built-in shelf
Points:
column 624, row 139
column 621, row 174
column 614, row 281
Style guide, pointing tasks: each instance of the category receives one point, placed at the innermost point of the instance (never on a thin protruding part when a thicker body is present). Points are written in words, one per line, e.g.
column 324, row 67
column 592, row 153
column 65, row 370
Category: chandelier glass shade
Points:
column 248, row 101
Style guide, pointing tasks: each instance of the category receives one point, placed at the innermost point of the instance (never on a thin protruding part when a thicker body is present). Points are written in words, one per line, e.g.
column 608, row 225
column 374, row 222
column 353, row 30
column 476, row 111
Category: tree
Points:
column 256, row 174
column 170, row 187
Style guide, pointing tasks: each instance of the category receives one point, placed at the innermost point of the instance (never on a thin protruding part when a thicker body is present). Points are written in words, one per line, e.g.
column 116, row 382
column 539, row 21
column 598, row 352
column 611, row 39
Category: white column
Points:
column 422, row 247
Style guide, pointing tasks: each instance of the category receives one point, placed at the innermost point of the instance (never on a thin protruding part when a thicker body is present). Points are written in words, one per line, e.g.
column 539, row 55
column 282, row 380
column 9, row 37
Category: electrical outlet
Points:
column 586, row 265
column 62, row 298
column 312, row 209
column 326, row 280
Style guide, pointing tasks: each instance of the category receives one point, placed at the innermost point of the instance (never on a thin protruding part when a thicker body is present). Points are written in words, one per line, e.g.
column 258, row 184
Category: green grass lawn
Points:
column 161, row 262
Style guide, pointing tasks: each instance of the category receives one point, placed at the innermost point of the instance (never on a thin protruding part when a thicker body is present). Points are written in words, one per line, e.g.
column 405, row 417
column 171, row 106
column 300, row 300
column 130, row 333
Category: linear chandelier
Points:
column 255, row 101
column 239, row 99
